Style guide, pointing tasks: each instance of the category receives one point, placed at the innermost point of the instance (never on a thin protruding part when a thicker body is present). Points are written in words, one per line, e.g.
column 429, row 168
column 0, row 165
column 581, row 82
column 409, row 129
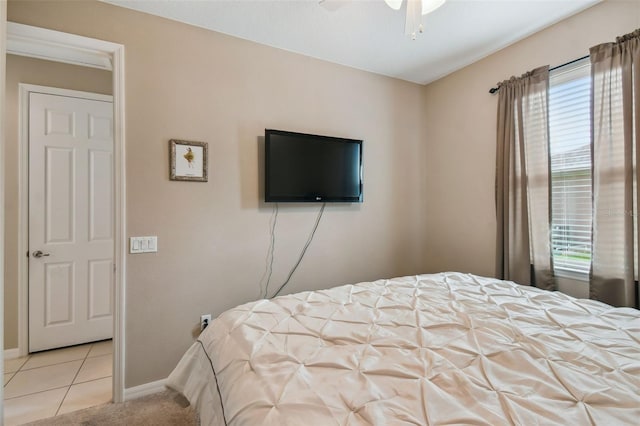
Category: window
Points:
column 570, row 162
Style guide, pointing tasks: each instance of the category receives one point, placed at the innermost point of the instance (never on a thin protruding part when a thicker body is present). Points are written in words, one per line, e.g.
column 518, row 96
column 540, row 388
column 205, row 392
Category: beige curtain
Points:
column 522, row 181
column 615, row 103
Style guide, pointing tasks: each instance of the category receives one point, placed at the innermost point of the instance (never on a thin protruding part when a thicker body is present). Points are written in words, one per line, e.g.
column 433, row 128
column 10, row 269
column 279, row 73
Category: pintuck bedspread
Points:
column 435, row 349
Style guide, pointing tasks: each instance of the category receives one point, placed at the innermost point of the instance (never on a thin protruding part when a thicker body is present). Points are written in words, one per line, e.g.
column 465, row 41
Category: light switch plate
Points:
column 143, row 244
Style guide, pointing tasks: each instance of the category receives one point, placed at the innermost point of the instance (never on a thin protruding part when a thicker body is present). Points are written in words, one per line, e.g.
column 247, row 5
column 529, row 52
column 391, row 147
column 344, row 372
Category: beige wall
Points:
column 188, row 83
column 461, row 134
column 44, row 73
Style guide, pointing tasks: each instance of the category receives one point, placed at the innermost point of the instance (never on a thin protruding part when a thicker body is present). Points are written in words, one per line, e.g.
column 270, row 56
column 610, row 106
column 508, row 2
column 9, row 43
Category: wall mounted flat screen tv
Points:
column 312, row 168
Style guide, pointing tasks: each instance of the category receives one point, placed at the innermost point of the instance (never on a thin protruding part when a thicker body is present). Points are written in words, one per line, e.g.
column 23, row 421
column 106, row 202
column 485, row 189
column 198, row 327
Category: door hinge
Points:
column 114, row 268
column 27, row 253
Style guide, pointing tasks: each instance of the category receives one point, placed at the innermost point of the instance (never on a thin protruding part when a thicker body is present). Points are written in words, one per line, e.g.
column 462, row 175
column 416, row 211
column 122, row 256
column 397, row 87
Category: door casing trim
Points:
column 116, row 53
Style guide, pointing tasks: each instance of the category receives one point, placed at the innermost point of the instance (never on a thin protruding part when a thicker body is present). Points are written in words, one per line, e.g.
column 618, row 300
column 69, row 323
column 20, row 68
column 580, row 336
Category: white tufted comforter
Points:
column 436, row 349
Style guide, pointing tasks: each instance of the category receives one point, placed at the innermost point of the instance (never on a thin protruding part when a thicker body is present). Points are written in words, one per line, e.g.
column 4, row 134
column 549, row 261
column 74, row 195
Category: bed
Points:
column 435, row 349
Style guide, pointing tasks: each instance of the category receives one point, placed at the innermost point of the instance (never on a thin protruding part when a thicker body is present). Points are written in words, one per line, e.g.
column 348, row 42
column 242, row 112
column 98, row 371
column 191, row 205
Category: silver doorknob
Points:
column 39, row 253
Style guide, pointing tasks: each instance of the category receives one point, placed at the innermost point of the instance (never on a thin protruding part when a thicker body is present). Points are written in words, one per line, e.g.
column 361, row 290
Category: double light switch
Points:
column 143, row 244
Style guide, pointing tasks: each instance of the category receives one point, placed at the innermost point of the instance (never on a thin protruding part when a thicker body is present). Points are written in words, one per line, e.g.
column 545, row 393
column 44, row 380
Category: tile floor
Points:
column 54, row 382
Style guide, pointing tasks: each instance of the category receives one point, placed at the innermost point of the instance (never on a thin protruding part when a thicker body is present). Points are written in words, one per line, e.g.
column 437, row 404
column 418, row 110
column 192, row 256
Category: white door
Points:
column 71, row 222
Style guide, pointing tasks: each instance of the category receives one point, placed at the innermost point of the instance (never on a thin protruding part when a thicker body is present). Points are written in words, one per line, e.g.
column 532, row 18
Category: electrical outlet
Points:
column 205, row 320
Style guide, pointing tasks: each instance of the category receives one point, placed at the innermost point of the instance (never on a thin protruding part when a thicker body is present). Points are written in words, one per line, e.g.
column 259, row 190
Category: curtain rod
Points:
column 495, row 89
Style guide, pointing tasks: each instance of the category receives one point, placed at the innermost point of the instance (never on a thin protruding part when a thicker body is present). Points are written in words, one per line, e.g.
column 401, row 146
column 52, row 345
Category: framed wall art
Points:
column 188, row 160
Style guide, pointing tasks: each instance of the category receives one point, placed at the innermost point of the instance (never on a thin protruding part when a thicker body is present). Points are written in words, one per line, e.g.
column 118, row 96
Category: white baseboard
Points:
column 11, row 353
column 144, row 390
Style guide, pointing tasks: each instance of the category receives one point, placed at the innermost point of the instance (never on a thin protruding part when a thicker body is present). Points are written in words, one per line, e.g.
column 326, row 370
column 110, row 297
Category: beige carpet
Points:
column 161, row 409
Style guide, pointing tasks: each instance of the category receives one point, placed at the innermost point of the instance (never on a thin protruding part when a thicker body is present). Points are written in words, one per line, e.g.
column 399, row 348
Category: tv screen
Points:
column 311, row 168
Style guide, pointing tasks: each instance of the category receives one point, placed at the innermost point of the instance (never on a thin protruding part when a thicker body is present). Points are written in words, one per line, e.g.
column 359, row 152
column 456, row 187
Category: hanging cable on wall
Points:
column 270, row 253
column 304, row 250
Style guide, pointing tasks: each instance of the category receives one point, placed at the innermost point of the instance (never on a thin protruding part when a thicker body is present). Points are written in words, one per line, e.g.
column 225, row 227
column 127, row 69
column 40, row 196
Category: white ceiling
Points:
column 367, row 34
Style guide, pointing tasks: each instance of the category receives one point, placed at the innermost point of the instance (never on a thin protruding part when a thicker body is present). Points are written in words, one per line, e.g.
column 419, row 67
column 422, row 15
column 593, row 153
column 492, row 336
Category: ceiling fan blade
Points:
column 394, row 4
column 332, row 5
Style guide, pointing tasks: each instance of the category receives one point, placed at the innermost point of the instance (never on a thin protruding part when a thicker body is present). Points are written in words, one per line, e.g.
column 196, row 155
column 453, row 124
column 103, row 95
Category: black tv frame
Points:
column 268, row 198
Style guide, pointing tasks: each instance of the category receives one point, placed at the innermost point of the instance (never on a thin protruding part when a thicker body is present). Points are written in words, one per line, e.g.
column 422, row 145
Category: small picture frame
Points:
column 188, row 160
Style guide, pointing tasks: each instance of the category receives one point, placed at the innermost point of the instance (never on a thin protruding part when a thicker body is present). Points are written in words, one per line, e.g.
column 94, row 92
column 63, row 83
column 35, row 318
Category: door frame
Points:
column 65, row 42
column 25, row 90
column 3, row 74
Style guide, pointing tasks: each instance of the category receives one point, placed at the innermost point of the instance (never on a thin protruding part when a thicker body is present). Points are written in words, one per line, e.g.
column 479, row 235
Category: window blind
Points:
column 570, row 152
